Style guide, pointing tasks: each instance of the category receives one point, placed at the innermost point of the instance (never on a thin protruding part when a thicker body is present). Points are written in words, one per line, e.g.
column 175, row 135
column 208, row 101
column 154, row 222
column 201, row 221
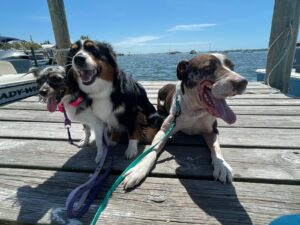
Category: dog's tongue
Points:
column 51, row 105
column 86, row 75
column 223, row 111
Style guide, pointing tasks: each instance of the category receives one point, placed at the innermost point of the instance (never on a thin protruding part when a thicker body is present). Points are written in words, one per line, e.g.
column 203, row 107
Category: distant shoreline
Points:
column 199, row 52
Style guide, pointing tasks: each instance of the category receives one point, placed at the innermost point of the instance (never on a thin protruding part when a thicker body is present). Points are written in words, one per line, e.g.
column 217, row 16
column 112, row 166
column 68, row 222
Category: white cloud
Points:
column 140, row 40
column 163, row 47
column 191, row 27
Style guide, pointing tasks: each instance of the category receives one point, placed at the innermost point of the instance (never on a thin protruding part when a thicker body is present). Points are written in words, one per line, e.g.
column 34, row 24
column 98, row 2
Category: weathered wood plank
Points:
column 270, row 121
column 153, row 94
column 232, row 102
column 239, row 110
column 181, row 161
column 246, row 137
column 161, row 83
column 40, row 197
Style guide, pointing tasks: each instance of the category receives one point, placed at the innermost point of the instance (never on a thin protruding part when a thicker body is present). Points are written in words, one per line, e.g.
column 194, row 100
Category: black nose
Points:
column 79, row 60
column 43, row 93
column 240, row 85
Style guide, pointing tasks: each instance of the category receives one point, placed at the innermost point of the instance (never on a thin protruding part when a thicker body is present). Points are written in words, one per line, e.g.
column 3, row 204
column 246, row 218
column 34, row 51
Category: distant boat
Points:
column 173, row 52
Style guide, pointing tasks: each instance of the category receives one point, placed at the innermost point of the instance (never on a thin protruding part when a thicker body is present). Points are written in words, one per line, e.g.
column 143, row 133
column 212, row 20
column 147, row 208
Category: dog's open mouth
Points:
column 216, row 107
column 88, row 76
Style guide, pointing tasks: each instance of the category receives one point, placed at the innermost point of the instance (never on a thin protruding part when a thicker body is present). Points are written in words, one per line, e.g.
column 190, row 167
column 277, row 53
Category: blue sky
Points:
column 143, row 26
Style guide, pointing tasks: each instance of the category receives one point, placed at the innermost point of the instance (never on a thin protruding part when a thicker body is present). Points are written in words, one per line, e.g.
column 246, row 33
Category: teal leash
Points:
column 121, row 177
column 134, row 163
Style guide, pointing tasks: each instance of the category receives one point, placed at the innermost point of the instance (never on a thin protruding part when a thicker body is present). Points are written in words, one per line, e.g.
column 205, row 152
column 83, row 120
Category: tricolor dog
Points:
column 204, row 83
column 57, row 88
column 117, row 99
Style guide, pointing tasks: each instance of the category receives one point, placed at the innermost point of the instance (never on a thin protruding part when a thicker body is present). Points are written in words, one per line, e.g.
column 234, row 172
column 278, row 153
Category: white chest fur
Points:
column 102, row 107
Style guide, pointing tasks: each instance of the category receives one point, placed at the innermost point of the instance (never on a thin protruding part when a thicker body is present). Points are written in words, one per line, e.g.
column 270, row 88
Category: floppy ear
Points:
column 181, row 69
column 35, row 71
column 110, row 53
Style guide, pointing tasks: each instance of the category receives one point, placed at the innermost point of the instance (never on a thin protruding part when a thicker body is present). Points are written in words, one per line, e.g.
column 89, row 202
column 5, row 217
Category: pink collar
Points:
column 75, row 103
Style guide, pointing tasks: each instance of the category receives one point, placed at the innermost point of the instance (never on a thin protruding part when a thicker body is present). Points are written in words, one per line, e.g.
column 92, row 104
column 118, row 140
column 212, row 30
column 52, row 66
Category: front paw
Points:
column 131, row 152
column 222, row 170
column 136, row 174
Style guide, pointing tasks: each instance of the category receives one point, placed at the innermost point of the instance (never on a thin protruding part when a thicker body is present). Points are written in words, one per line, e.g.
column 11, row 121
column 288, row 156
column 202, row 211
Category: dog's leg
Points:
column 114, row 138
column 86, row 140
column 136, row 174
column 222, row 170
column 98, row 129
column 132, row 149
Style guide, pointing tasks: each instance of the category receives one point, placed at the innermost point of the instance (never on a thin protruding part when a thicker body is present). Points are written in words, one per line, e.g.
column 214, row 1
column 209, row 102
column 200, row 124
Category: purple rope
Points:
column 80, row 199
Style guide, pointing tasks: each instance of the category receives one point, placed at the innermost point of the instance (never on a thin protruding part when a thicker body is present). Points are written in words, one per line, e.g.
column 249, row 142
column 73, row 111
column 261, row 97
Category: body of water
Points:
column 163, row 66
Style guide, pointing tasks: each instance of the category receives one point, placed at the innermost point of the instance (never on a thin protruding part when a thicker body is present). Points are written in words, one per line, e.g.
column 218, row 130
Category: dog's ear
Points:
column 109, row 53
column 181, row 69
column 35, row 71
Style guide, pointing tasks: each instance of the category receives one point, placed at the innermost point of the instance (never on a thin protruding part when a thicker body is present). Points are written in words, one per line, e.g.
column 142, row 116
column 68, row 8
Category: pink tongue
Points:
column 51, row 106
column 86, row 75
column 223, row 111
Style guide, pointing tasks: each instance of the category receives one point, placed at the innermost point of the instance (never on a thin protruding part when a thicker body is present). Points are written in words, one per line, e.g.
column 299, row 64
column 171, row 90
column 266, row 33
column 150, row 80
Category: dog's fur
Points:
column 205, row 82
column 117, row 99
column 55, row 87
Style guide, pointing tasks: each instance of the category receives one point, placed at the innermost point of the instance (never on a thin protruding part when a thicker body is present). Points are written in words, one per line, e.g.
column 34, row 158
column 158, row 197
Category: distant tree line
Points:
column 20, row 45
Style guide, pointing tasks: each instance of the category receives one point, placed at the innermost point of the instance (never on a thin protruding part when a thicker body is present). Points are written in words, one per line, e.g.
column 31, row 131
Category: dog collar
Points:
column 74, row 103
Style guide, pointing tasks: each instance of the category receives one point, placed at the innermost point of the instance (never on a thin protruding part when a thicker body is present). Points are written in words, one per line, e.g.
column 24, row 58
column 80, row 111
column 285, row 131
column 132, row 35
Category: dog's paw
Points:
column 222, row 170
column 136, row 174
column 131, row 152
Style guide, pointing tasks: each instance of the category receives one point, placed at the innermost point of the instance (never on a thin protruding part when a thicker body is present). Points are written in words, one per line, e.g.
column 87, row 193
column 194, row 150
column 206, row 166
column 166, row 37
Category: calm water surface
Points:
column 163, row 66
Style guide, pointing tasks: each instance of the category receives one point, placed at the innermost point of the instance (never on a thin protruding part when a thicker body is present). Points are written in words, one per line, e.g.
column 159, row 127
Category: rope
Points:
column 282, row 57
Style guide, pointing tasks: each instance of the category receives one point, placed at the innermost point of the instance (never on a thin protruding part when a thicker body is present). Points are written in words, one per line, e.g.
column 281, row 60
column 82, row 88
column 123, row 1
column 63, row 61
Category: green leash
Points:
column 121, row 177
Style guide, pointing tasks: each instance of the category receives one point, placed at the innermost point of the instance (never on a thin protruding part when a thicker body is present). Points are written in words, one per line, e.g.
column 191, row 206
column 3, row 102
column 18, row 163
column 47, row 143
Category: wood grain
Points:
column 36, row 196
column 271, row 121
column 266, row 165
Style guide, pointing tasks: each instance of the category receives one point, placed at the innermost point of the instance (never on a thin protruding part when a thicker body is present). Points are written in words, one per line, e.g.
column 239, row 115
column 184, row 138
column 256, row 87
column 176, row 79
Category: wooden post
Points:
column 60, row 28
column 283, row 37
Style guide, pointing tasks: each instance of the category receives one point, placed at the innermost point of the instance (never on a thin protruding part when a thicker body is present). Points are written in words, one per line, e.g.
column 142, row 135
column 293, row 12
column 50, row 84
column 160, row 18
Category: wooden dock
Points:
column 39, row 168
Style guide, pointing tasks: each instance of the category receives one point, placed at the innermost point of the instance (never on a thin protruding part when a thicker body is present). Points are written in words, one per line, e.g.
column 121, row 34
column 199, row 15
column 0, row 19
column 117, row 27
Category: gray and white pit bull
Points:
column 204, row 83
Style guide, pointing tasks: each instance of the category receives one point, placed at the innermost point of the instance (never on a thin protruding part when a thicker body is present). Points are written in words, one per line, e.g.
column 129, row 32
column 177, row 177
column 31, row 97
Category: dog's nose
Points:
column 79, row 60
column 43, row 93
column 239, row 85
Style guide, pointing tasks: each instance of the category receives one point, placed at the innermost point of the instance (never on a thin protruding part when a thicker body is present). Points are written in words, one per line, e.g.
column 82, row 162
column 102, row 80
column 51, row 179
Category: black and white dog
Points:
column 204, row 83
column 55, row 87
column 117, row 99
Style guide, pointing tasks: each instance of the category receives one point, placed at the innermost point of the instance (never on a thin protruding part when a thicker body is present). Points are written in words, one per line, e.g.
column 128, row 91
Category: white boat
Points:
column 14, row 85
